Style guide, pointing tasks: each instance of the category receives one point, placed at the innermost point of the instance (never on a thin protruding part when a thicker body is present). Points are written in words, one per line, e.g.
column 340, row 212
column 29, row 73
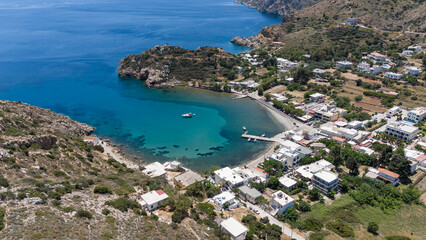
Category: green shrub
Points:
column 340, row 228
column 98, row 148
column 2, row 213
column 68, row 209
column 178, row 216
column 83, row 214
column 123, row 204
column 59, row 173
column 106, row 211
column 373, row 227
column 56, row 202
column 318, row 235
column 313, row 224
column 102, row 190
column 207, row 208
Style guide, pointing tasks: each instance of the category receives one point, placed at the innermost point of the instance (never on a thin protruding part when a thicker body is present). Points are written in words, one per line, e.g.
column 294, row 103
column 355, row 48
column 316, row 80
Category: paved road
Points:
column 286, row 230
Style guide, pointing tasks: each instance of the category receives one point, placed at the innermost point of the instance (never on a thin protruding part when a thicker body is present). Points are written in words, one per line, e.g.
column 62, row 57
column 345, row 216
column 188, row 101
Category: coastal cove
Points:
column 56, row 60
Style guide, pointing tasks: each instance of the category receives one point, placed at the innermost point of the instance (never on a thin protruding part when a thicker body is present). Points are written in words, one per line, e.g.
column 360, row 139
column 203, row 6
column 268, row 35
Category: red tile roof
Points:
column 389, row 173
column 377, row 54
column 385, row 178
column 421, row 157
column 357, row 147
column 90, row 138
column 260, row 170
column 339, row 139
column 159, row 192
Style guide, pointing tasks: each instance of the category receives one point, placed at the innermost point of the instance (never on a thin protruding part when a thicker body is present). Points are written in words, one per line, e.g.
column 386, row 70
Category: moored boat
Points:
column 187, row 115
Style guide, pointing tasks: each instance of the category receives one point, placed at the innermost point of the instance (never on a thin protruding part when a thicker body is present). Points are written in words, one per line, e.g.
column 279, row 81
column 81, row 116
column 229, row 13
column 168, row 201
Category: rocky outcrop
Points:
column 267, row 36
column 20, row 119
column 43, row 141
column 278, row 7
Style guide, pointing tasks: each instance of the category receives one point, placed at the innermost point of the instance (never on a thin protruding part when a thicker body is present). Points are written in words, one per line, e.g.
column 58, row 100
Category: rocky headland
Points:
column 164, row 66
column 277, row 7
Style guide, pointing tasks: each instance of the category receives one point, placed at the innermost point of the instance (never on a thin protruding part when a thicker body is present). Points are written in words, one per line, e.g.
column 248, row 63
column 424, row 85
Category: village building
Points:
column 249, row 194
column 262, row 174
column 344, row 64
column 319, row 72
column 226, row 177
column 415, row 48
column 290, row 153
column 237, row 230
column 92, row 140
column 150, row 200
column 407, row 52
column 154, row 169
column 288, row 183
column 172, row 165
column 393, row 76
column 308, row 171
column 325, row 181
column 225, row 197
column 417, row 114
column 280, row 202
column 317, row 97
column 389, row 176
column 377, row 57
column 402, row 131
column 284, row 63
column 413, row 70
column 187, row 178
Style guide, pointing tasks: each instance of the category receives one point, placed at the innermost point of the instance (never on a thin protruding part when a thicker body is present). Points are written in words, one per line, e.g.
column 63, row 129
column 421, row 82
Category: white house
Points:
column 92, row 140
column 280, row 202
column 319, row 72
column 225, row 197
column 237, row 230
column 407, row 52
column 401, row 131
column 363, row 66
column 413, row 70
column 317, row 97
column 284, row 63
column 393, row 76
column 355, row 124
column 377, row 57
column 417, row 114
column 393, row 111
column 344, row 64
column 154, row 169
column 288, row 183
column 228, row 178
column 151, row 199
column 308, row 171
column 325, row 181
column 415, row 48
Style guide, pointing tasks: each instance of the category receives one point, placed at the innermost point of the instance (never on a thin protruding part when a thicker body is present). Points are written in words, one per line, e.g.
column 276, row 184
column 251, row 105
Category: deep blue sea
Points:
column 63, row 55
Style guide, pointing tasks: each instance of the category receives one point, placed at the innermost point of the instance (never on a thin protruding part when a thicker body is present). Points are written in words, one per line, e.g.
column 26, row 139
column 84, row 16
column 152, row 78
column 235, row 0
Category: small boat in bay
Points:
column 263, row 135
column 254, row 140
column 244, row 128
column 187, row 115
column 248, row 140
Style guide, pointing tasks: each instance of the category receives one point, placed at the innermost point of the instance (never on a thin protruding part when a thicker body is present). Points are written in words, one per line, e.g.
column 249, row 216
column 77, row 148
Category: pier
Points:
column 277, row 138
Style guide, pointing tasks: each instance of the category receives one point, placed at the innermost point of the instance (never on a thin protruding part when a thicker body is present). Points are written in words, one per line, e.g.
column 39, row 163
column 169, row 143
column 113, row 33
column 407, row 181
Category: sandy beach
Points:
column 113, row 152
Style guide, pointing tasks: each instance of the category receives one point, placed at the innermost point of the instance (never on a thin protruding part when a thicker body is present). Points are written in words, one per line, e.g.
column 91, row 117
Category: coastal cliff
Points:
column 163, row 66
column 277, row 7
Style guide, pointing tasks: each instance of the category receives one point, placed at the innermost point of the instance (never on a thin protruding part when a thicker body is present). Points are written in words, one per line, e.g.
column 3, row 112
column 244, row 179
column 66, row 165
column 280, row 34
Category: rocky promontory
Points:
column 163, row 66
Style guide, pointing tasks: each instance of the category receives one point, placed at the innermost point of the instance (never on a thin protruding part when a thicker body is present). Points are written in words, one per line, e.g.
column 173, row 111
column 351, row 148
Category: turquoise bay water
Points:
column 63, row 55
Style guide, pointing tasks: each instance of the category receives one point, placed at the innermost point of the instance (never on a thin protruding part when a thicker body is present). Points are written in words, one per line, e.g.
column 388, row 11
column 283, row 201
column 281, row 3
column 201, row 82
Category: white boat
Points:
column 244, row 128
column 187, row 115
column 263, row 135
column 248, row 140
column 254, row 140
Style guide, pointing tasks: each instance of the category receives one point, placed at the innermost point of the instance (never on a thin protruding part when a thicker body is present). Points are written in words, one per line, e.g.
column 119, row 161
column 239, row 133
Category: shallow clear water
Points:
column 63, row 55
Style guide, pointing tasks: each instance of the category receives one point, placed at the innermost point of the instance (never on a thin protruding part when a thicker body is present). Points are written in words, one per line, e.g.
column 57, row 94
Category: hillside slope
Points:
column 278, row 7
column 308, row 25
column 47, row 180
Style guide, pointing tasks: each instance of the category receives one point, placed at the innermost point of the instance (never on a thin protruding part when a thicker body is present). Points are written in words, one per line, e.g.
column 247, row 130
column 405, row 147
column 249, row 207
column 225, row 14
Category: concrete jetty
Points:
column 277, row 138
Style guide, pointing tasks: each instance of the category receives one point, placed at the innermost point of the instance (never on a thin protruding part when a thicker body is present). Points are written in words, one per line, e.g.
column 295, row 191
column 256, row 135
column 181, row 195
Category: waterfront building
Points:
column 154, row 169
column 187, row 178
column 225, row 197
column 249, row 194
column 288, row 183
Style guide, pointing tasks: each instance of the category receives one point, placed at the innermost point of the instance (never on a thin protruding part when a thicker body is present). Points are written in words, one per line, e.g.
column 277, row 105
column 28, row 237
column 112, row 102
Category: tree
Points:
column 373, row 227
column 268, row 97
column 335, row 154
column 352, row 164
column 260, row 91
column 331, row 193
column 303, row 206
column 291, row 215
column 400, row 164
column 301, row 75
column 314, row 194
column 358, row 98
column 273, row 183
